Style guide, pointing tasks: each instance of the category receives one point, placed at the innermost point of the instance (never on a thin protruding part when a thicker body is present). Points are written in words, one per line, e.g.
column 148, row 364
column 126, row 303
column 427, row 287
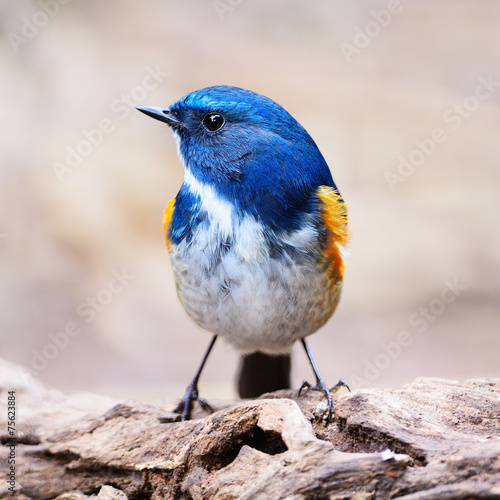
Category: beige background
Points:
column 60, row 239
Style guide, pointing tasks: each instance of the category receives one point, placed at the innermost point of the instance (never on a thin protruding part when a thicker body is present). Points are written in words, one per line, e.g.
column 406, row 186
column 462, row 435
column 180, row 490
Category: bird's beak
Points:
column 164, row 115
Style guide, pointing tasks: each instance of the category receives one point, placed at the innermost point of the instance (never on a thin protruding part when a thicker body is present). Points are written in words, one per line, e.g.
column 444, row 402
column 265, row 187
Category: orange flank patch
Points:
column 167, row 218
column 334, row 212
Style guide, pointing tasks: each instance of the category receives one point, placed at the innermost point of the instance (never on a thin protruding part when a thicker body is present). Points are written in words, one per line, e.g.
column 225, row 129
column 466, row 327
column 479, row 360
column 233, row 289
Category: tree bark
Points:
column 432, row 439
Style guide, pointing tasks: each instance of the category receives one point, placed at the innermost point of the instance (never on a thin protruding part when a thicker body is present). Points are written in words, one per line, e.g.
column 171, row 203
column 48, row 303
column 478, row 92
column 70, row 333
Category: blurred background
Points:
column 403, row 100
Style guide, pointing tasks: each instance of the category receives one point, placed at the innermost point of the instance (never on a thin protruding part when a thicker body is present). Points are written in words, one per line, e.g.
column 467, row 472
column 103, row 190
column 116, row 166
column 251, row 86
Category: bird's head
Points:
column 248, row 148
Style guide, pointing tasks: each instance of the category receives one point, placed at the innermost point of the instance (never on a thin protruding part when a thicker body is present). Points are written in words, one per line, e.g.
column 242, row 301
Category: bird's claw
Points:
column 185, row 405
column 338, row 385
column 322, row 387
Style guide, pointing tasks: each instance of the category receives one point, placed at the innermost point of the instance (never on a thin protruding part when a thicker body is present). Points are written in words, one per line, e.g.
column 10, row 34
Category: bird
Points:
column 257, row 234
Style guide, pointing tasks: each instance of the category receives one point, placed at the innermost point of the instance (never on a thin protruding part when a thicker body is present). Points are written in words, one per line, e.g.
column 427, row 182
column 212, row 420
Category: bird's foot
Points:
column 185, row 406
column 321, row 386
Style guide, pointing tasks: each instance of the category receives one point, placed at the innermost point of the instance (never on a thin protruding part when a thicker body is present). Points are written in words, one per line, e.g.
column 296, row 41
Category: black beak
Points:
column 164, row 115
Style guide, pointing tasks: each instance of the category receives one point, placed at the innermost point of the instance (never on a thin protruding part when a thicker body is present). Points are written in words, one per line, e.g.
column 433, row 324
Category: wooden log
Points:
column 432, row 439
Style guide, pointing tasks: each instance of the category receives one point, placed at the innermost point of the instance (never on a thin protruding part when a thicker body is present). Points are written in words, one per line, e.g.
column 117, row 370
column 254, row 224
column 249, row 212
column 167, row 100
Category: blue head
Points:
column 250, row 150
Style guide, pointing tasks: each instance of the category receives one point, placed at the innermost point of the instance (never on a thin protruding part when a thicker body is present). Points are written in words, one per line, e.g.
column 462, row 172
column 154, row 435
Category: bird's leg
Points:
column 186, row 404
column 320, row 383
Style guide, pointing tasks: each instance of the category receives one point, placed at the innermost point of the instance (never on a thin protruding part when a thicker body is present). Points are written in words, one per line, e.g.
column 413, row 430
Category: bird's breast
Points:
column 237, row 278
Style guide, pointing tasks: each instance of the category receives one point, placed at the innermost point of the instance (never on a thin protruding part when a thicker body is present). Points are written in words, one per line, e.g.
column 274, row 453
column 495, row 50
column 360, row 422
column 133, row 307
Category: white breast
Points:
column 231, row 283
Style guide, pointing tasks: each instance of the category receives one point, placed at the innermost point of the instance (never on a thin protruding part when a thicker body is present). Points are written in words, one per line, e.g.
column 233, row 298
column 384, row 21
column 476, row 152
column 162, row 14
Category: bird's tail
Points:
column 260, row 373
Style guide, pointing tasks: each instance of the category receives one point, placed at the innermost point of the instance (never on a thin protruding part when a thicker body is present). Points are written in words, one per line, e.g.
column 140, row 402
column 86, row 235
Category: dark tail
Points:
column 260, row 373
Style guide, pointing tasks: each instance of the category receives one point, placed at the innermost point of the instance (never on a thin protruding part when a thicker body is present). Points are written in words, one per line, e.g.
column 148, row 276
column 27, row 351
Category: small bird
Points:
column 256, row 233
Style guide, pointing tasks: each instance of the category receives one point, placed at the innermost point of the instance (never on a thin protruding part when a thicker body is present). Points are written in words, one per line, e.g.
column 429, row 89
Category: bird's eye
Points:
column 213, row 121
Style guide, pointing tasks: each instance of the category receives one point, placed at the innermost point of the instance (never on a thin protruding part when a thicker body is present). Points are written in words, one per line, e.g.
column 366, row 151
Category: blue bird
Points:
column 256, row 233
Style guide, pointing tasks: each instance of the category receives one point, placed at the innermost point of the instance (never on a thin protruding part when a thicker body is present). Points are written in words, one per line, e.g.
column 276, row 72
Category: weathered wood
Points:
column 432, row 439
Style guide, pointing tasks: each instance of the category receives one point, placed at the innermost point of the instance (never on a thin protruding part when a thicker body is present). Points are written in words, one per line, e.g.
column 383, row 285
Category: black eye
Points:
column 213, row 121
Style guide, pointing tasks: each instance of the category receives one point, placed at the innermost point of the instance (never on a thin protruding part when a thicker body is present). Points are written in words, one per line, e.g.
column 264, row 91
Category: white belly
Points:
column 246, row 293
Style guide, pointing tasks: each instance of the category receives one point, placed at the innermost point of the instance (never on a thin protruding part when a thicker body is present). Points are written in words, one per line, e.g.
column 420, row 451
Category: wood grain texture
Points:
column 431, row 439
